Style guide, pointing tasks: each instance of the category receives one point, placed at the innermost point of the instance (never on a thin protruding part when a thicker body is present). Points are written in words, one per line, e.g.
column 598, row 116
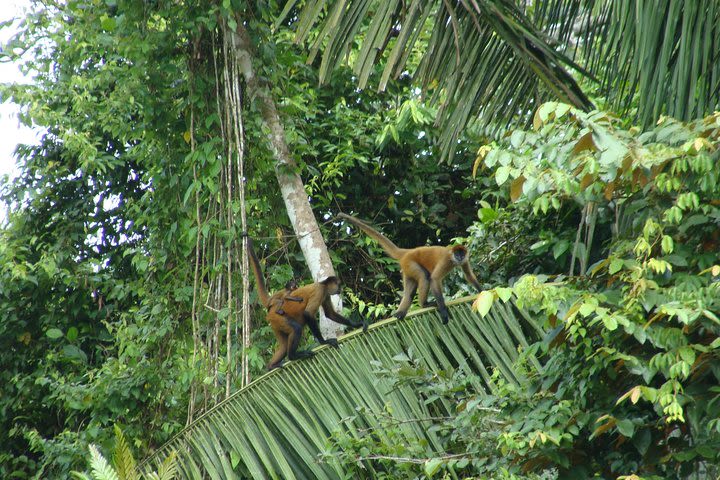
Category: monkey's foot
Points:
column 272, row 367
column 332, row 342
column 400, row 314
column 300, row 354
column 363, row 325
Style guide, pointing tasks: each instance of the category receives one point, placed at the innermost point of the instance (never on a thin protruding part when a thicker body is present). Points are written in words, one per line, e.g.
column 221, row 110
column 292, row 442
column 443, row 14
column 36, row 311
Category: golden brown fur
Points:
column 278, row 298
column 288, row 322
column 423, row 268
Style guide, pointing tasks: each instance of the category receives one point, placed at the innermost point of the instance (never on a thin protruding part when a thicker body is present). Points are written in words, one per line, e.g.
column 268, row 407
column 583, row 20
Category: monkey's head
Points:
column 458, row 253
column 332, row 283
column 291, row 285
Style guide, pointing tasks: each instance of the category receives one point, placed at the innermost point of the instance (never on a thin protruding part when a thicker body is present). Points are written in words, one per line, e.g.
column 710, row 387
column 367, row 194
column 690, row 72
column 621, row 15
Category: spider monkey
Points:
column 423, row 268
column 306, row 301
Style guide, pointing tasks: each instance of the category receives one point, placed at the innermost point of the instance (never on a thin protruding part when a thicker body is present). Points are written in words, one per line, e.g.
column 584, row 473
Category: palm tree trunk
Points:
column 293, row 191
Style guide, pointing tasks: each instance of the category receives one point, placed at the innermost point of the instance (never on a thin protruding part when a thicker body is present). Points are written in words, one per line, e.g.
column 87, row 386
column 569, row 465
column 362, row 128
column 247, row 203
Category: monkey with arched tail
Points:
column 306, row 301
column 423, row 268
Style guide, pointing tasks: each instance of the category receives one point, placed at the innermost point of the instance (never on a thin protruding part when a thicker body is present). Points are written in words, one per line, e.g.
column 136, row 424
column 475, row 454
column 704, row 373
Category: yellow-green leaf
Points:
column 483, row 302
column 516, row 188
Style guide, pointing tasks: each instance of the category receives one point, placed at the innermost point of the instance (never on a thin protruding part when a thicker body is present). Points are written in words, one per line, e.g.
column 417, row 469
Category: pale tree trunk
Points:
column 293, row 191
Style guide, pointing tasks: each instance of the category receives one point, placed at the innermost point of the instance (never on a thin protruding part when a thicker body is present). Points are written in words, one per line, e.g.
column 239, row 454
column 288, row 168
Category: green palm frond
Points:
column 494, row 61
column 666, row 51
column 484, row 59
column 658, row 57
column 276, row 426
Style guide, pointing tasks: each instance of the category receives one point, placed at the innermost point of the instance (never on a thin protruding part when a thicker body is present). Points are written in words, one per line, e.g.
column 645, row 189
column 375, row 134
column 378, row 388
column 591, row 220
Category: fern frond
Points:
column 169, row 468
column 99, row 466
column 123, row 458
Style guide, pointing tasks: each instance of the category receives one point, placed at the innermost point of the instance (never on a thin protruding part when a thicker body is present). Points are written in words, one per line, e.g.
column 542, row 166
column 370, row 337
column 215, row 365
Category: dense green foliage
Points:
column 88, row 304
column 98, row 251
column 631, row 367
column 120, row 228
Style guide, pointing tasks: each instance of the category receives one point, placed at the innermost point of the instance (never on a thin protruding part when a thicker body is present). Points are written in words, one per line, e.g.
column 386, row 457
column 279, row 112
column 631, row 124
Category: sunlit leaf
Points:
column 483, row 302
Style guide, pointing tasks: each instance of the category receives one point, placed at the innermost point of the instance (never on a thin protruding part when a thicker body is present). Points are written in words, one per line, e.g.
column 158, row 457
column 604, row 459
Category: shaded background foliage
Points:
column 98, row 253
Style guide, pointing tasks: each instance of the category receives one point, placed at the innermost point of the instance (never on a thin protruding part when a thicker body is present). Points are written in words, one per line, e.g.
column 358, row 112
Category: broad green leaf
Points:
column 54, row 333
column 483, row 302
column 487, row 215
column 626, row 427
column 610, row 322
column 587, row 308
column 503, row 293
column 546, row 112
column 73, row 352
column 559, row 248
column 72, row 334
column 687, row 354
column 502, row 174
column 616, row 265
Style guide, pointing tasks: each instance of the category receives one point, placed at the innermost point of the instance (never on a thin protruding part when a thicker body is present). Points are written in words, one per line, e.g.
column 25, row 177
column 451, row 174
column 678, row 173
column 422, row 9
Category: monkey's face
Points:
column 459, row 254
column 332, row 284
column 333, row 287
column 291, row 285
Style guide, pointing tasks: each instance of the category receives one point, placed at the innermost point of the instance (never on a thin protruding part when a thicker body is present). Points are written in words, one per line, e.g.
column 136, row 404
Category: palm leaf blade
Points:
column 276, row 426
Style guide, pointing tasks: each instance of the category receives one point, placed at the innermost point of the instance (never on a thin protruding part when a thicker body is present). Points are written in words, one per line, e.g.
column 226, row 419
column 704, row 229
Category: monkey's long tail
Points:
column 393, row 250
column 259, row 280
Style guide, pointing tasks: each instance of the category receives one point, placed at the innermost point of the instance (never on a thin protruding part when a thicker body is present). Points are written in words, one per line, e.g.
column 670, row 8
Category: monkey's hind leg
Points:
column 424, row 287
column 294, row 341
column 409, row 287
column 279, row 355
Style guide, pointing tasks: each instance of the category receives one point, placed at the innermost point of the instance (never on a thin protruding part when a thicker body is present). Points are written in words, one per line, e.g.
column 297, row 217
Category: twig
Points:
column 417, row 461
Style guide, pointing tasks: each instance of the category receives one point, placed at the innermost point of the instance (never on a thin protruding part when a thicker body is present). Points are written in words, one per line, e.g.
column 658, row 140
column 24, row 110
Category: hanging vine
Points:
column 220, row 313
column 235, row 139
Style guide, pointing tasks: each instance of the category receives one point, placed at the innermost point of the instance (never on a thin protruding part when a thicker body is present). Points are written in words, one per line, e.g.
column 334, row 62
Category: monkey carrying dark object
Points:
column 278, row 298
column 287, row 320
column 423, row 268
